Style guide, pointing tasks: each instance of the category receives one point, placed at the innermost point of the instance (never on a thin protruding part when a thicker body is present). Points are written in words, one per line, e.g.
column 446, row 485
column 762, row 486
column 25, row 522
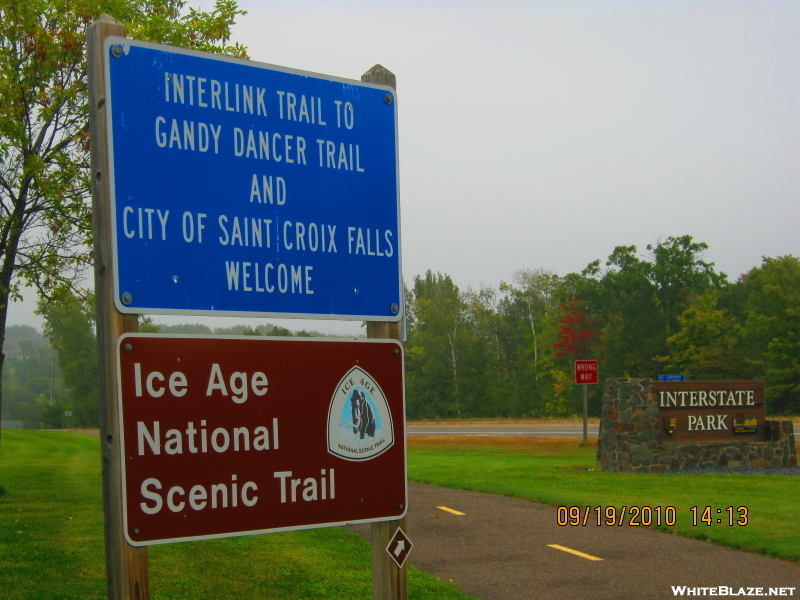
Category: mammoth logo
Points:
column 363, row 415
column 359, row 421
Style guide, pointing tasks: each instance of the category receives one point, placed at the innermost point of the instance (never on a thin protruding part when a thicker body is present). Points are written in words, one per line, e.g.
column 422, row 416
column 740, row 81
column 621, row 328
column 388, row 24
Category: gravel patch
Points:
column 720, row 470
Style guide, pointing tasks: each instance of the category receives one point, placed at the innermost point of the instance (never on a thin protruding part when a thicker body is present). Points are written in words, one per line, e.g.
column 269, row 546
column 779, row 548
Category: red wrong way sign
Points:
column 586, row 372
column 232, row 436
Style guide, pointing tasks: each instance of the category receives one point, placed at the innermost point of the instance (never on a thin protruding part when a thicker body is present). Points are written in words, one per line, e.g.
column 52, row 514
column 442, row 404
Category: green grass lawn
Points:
column 51, row 535
column 534, row 469
column 51, row 541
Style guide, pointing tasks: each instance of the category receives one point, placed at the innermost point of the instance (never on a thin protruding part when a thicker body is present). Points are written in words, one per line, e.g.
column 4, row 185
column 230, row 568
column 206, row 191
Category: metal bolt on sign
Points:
column 388, row 99
column 116, row 51
column 127, row 298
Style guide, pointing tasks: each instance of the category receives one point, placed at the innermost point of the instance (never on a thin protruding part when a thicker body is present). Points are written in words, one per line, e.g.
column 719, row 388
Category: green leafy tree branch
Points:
column 45, row 208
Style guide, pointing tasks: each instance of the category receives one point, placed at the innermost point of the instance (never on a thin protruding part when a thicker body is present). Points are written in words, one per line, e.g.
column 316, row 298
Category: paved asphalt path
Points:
column 502, row 430
column 499, row 551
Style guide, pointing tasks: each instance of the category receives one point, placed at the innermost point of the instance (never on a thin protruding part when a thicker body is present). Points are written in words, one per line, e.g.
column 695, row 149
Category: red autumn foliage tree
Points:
column 577, row 335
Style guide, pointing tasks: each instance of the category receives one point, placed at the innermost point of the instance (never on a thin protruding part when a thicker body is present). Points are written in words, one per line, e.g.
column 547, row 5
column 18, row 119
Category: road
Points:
column 502, row 549
column 501, row 430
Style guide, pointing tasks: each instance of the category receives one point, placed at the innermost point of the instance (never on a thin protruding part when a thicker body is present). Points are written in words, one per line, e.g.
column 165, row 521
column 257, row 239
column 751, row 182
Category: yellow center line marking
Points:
column 575, row 552
column 450, row 510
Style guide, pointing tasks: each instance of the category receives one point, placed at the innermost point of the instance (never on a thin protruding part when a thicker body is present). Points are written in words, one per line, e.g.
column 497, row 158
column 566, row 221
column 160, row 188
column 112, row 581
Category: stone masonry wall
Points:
column 630, row 438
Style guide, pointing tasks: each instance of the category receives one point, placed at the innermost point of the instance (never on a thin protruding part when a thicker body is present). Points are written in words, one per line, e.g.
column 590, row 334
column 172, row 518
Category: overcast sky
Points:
column 544, row 134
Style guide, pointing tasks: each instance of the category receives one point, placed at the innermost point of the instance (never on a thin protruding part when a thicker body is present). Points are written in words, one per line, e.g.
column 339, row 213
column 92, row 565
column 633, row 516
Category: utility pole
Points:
column 52, row 378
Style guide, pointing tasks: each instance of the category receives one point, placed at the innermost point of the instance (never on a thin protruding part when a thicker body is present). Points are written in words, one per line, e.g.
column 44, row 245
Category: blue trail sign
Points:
column 240, row 188
column 672, row 377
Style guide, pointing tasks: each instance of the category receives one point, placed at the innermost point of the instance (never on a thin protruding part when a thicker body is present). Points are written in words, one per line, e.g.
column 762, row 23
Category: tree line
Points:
column 57, row 372
column 509, row 351
column 32, row 382
column 471, row 353
column 45, row 206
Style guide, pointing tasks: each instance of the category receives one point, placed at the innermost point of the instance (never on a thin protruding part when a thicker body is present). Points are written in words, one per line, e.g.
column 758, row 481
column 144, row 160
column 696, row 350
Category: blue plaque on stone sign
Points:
column 240, row 188
column 672, row 377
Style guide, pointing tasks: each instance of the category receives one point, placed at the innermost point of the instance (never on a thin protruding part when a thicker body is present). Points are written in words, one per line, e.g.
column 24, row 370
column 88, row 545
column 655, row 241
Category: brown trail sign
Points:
column 236, row 436
column 399, row 547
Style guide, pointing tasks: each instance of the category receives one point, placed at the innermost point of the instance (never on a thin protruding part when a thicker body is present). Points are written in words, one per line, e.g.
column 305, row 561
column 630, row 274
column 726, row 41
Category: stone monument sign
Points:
column 648, row 426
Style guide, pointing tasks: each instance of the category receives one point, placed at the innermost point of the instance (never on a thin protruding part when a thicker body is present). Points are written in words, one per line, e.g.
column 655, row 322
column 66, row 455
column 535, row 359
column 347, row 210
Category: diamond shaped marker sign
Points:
column 399, row 547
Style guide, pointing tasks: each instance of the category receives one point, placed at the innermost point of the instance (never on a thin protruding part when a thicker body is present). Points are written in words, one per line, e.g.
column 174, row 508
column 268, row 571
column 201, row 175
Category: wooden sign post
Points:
column 388, row 581
column 126, row 566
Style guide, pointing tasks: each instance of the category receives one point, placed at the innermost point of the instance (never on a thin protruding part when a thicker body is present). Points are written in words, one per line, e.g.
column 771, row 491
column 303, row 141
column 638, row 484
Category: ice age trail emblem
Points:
column 359, row 421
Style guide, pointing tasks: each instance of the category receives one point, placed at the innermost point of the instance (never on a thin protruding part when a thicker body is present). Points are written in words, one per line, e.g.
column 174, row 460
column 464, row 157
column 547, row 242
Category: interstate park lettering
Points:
column 710, row 410
column 698, row 398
